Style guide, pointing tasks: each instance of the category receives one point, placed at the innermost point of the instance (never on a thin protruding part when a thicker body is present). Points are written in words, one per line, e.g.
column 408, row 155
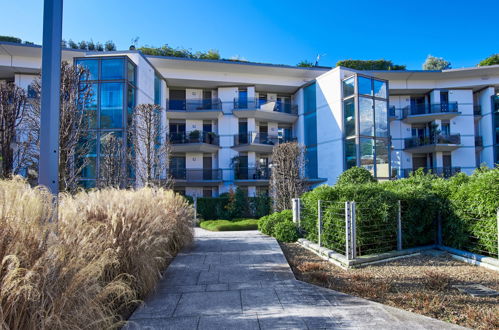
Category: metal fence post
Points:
column 399, row 226
column 353, row 229
column 348, row 215
column 319, row 223
column 296, row 211
column 196, row 208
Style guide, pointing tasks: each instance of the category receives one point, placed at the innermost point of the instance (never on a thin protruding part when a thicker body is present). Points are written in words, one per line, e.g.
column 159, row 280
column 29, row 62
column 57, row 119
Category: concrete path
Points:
column 241, row 280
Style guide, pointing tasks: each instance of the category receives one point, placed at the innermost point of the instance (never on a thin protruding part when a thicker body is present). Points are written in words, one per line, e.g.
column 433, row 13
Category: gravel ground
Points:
column 422, row 284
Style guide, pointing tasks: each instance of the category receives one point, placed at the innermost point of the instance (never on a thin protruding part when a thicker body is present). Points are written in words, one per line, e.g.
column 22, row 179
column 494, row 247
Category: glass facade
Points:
column 310, row 121
column 366, row 130
column 113, row 83
column 495, row 105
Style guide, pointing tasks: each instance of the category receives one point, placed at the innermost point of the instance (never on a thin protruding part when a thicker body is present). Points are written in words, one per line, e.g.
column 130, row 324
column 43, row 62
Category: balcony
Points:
column 444, row 172
column 392, row 113
column 258, row 142
column 273, row 111
column 194, row 141
column 423, row 113
column 194, row 109
column 196, row 177
column 435, row 143
column 252, row 176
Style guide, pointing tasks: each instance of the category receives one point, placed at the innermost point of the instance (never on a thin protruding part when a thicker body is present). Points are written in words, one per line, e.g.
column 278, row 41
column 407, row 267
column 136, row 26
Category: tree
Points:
column 287, row 177
column 72, row 44
column 74, row 143
column 12, row 106
column 436, row 63
column 370, row 65
column 110, row 46
column 491, row 60
column 212, row 54
column 151, row 148
column 305, row 64
column 355, row 175
column 113, row 157
column 91, row 45
column 83, row 45
column 10, row 39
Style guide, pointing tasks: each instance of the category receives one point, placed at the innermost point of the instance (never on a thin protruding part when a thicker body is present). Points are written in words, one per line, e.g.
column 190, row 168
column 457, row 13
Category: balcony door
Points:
column 243, row 99
column 177, row 132
column 177, row 99
column 444, row 101
column 207, row 100
column 207, row 168
column 242, row 168
column 243, row 132
column 178, row 170
column 417, row 105
column 263, row 136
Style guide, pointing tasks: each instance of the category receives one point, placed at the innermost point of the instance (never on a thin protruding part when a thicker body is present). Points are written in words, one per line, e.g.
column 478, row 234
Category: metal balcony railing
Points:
column 252, row 173
column 193, row 105
column 423, row 109
column 419, row 141
column 192, row 175
column 260, row 138
column 253, row 103
column 194, row 137
column 445, row 172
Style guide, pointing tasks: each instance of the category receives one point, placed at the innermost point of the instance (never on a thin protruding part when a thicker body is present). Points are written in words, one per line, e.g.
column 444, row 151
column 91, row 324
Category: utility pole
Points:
column 50, row 98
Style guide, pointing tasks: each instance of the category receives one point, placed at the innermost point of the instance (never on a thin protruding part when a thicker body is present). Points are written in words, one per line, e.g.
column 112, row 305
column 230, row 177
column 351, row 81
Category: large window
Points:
column 112, row 82
column 366, row 131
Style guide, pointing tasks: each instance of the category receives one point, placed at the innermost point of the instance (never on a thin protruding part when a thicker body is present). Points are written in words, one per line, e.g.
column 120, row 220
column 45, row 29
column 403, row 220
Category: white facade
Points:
column 224, row 117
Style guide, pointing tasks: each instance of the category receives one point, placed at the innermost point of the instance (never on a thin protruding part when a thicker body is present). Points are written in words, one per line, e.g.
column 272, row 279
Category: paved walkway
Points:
column 241, row 280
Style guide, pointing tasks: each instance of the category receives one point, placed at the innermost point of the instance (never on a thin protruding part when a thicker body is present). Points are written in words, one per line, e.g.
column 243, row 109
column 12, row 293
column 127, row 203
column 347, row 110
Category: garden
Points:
column 87, row 263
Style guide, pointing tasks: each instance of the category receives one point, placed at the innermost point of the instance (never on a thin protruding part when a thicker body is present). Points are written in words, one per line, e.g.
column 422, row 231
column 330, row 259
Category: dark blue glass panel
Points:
column 92, row 66
column 112, row 69
column 365, row 86
column 111, row 105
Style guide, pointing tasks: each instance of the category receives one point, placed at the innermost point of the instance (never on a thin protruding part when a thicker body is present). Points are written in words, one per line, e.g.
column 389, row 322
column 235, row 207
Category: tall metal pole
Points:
column 50, row 98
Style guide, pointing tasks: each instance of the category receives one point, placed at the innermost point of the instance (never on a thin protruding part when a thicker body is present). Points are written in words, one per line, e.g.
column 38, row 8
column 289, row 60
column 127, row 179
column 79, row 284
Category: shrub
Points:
column 106, row 251
column 225, row 225
column 355, row 175
column 285, row 231
column 267, row 223
column 233, row 206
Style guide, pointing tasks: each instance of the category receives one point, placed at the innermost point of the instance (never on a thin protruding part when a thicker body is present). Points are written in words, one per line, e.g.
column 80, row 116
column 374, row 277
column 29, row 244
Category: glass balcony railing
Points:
column 424, row 109
column 445, row 172
column 252, row 173
column 391, row 112
column 427, row 140
column 193, row 105
column 260, row 138
column 277, row 106
column 194, row 137
column 190, row 175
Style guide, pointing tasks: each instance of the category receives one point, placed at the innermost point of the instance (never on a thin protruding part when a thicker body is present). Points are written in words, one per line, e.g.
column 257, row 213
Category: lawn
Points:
column 226, row 225
column 422, row 284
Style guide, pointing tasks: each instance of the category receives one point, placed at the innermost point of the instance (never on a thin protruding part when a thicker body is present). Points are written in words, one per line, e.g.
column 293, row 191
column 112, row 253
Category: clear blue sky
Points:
column 278, row 31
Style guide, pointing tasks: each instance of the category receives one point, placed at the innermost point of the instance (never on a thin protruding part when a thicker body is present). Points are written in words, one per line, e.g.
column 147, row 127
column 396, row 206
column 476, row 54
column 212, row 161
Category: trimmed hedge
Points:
column 268, row 223
column 286, row 232
column 233, row 207
column 226, row 225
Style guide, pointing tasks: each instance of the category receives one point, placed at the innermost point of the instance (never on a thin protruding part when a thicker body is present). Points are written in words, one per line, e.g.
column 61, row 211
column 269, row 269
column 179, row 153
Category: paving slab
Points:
column 241, row 280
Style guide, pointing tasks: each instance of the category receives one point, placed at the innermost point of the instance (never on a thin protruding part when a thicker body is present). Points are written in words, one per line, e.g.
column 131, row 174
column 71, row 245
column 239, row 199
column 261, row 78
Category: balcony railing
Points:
column 193, row 105
column 277, row 106
column 196, row 174
column 194, row 137
column 427, row 140
column 478, row 141
column 391, row 112
column 424, row 109
column 252, row 173
column 260, row 138
column 445, row 172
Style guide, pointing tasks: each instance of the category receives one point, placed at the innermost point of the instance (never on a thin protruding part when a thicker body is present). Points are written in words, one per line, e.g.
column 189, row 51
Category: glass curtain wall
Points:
column 113, row 83
column 365, row 119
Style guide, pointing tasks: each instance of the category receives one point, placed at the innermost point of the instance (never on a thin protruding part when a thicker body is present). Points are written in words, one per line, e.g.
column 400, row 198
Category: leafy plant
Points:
column 370, row 65
column 267, row 223
column 285, row 231
column 436, row 63
column 355, row 175
column 491, row 60
column 194, row 135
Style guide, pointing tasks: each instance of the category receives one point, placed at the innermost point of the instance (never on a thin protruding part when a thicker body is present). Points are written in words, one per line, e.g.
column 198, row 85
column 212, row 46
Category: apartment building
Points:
column 223, row 118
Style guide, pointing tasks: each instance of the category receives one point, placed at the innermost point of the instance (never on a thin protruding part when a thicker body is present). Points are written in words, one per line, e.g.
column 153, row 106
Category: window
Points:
column 380, row 89
column 90, row 106
column 177, row 99
column 92, row 66
column 349, row 114
column 207, row 192
column 131, row 73
column 157, row 90
column 366, row 116
column 381, row 118
column 350, row 153
column 349, row 87
column 111, row 111
column 382, row 159
column 365, row 86
column 367, row 154
column 112, row 69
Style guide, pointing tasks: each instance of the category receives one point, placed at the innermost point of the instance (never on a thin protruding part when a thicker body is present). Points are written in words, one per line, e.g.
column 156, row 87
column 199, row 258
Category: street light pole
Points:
column 48, row 172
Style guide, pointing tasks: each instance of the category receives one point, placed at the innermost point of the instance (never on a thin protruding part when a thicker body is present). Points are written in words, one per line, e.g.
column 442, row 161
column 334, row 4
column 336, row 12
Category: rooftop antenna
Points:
column 318, row 58
column 134, row 43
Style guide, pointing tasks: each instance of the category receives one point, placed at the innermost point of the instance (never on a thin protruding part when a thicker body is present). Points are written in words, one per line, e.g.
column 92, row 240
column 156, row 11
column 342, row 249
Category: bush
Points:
column 285, row 231
column 225, row 225
column 106, row 252
column 267, row 223
column 232, row 206
column 355, row 175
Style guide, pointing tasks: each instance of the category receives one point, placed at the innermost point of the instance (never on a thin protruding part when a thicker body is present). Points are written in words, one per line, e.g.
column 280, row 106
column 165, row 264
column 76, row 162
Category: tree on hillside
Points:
column 74, row 142
column 436, row 63
column 491, row 60
column 12, row 107
column 150, row 156
column 287, row 178
column 370, row 65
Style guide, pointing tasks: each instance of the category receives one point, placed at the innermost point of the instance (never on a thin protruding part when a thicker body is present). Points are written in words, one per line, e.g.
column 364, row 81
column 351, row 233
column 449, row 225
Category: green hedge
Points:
column 226, row 225
column 233, row 207
column 267, row 224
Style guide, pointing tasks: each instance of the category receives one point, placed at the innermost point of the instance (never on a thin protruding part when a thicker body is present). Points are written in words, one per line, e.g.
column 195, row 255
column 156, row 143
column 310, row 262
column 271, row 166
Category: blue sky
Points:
column 277, row 31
